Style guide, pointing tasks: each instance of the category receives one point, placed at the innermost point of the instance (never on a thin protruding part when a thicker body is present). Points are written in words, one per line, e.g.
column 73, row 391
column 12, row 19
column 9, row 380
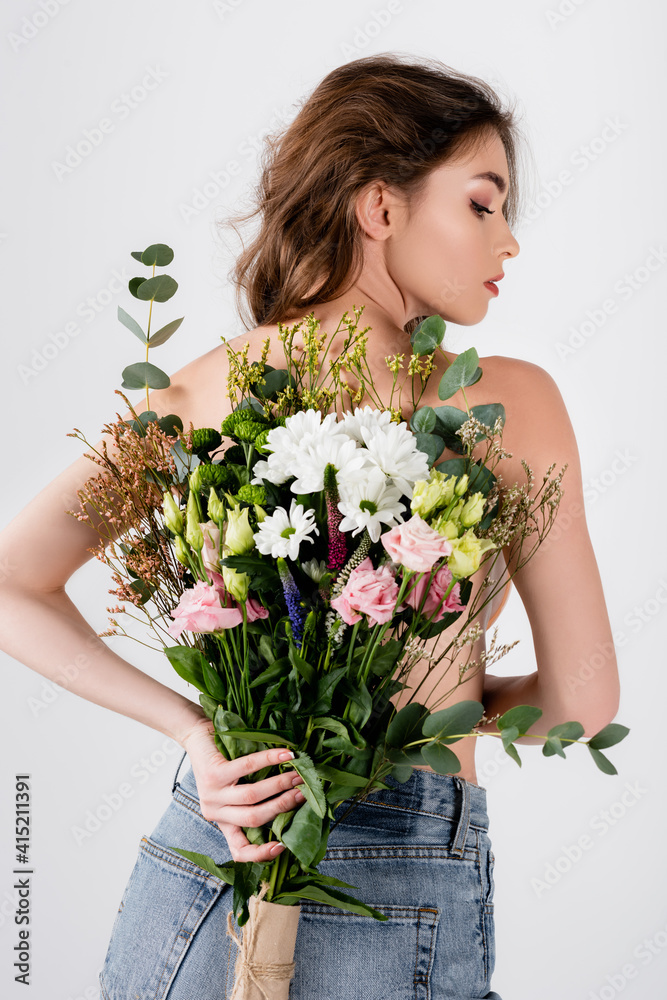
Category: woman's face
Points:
column 440, row 251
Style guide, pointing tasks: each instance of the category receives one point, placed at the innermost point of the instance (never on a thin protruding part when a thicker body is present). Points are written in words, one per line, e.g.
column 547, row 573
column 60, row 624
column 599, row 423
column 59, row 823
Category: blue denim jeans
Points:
column 419, row 852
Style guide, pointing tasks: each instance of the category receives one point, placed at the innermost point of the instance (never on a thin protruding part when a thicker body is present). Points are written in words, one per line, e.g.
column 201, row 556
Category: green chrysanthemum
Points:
column 252, row 494
column 241, row 418
column 205, row 439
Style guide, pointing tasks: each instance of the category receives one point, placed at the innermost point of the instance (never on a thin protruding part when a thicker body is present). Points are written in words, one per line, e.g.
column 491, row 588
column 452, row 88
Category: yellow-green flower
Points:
column 432, row 494
column 462, row 485
column 236, row 583
column 260, row 513
column 193, row 533
column 181, row 550
column 467, row 552
column 473, row 510
column 446, row 527
column 173, row 517
column 216, row 508
column 239, row 537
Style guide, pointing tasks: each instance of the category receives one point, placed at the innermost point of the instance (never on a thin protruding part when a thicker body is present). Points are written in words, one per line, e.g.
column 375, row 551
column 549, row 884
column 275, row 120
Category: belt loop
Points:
column 461, row 836
column 177, row 783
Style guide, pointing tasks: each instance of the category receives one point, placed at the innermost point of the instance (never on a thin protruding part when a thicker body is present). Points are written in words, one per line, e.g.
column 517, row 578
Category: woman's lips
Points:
column 492, row 287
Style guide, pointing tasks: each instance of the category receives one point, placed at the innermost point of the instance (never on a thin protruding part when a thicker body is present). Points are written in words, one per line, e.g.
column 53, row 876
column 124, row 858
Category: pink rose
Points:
column 435, row 589
column 415, row 545
column 371, row 591
column 199, row 610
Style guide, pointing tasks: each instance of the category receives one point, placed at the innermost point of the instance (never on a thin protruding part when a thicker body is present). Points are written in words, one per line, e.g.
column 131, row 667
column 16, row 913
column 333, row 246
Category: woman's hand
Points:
column 232, row 806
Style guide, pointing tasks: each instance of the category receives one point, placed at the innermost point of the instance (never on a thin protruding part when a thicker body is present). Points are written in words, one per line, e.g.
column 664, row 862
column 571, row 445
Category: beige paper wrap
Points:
column 265, row 961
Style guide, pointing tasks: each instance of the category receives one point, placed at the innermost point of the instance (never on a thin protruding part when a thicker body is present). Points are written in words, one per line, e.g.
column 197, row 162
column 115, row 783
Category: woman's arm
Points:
column 560, row 585
column 40, row 626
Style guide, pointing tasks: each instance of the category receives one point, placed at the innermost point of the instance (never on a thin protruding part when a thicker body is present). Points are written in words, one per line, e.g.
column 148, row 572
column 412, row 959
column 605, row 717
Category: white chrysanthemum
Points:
column 315, row 569
column 288, row 445
column 281, row 534
column 350, row 462
column 394, row 450
column 366, row 416
column 370, row 504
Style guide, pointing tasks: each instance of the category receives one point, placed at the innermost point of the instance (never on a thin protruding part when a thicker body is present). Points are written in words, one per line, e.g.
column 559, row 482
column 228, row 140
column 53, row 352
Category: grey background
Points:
column 590, row 81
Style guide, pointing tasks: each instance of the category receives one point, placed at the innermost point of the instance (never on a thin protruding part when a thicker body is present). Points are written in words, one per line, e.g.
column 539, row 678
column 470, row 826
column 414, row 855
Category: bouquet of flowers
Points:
column 296, row 575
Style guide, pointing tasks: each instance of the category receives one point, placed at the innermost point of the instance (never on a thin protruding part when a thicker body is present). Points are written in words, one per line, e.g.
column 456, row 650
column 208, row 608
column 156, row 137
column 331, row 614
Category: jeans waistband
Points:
column 434, row 794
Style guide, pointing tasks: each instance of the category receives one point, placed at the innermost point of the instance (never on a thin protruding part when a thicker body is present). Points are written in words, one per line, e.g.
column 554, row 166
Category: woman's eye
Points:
column 478, row 209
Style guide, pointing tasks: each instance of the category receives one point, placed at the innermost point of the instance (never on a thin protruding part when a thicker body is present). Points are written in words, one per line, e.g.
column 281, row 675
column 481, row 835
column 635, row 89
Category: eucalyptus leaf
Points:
column 552, row 745
column 428, row 335
column 448, row 723
column 142, row 375
column 431, row 444
column 169, row 423
column 134, row 284
column 131, row 324
column 462, row 372
column 520, row 716
column 607, row 737
column 602, row 762
column 162, row 336
column 423, row 420
column 406, row 724
column 158, row 254
column 158, row 288
column 441, row 758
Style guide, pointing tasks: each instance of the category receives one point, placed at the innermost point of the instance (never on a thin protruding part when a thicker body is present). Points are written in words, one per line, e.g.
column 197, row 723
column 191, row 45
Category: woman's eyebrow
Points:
column 490, row 175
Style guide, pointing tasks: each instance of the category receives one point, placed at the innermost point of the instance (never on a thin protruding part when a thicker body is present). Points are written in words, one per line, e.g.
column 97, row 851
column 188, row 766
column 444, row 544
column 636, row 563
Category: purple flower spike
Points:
column 292, row 599
column 337, row 543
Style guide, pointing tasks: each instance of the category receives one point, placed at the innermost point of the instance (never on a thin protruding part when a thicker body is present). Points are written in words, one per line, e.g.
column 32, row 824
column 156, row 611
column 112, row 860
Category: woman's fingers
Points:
column 243, row 850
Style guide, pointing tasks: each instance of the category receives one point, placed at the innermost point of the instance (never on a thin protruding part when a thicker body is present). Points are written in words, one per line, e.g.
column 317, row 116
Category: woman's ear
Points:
column 379, row 210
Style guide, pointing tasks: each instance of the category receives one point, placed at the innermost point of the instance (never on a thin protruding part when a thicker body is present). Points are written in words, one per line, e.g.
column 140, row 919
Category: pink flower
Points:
column 211, row 550
column 371, row 591
column 199, row 610
column 434, row 589
column 255, row 609
column 415, row 545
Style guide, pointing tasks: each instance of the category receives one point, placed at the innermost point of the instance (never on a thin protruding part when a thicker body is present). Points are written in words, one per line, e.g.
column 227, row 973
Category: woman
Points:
column 395, row 187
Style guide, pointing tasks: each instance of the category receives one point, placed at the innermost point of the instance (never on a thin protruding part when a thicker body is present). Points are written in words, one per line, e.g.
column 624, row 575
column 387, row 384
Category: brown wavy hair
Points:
column 384, row 117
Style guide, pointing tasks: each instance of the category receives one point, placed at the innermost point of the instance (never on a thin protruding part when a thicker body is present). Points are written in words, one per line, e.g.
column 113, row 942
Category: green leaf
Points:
column 214, row 682
column 343, row 745
column 159, row 288
column 386, row 657
column 487, row 413
column 427, row 335
column 342, row 777
column 131, row 324
column 448, row 420
column 312, row 783
column 361, row 703
column 188, row 664
column 168, row 425
column 275, row 381
column 134, row 284
column 462, row 372
column 567, row 731
column 326, row 684
column 224, row 872
column 509, row 734
column 279, row 668
column 333, row 898
column 304, row 833
column 331, row 725
column 513, row 752
column 458, row 718
column 234, row 734
column 258, row 736
column 521, row 716
column 401, row 772
column 209, row 705
column 158, row 254
column 163, row 335
column 246, row 882
column 137, row 255
column 607, row 737
column 143, row 374
column 431, row 445
column 551, row 746
column 406, row 724
column 423, row 420
column 143, row 421
column 301, row 666
column 441, row 758
column 602, row 762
